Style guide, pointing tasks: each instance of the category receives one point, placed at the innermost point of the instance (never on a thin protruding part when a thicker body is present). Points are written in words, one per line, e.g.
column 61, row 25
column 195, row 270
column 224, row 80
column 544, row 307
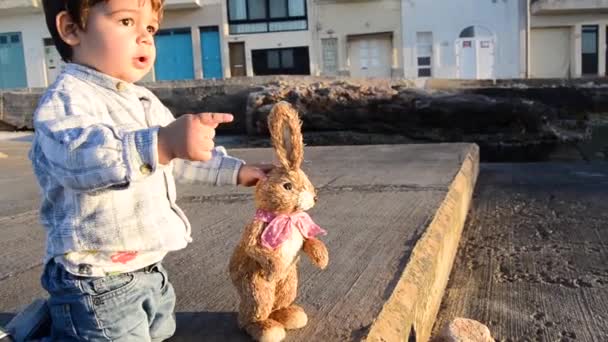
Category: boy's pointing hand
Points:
column 214, row 119
column 190, row 137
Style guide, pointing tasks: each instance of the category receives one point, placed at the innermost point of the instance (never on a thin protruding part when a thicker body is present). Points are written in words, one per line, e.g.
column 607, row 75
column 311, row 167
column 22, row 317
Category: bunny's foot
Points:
column 292, row 317
column 266, row 331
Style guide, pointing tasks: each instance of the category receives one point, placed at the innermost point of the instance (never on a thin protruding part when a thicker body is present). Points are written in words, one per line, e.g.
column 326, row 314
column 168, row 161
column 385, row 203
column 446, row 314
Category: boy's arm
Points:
column 222, row 169
column 84, row 154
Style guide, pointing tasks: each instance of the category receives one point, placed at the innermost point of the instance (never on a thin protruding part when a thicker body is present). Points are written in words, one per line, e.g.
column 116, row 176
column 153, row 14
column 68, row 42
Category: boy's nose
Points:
column 145, row 38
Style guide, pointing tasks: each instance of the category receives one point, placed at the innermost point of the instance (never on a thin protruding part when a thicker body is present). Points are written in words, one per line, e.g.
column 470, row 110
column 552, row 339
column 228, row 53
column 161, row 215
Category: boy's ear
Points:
column 67, row 28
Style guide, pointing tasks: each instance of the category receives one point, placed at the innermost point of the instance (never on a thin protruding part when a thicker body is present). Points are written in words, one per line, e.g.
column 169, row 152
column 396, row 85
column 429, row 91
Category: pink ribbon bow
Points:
column 280, row 227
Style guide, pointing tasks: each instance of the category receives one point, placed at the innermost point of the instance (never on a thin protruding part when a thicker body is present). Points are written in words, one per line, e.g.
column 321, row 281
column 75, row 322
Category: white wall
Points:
column 33, row 30
column 446, row 19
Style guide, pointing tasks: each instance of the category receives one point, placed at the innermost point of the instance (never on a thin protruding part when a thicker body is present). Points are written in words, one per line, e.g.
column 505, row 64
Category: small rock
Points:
column 3, row 155
column 465, row 330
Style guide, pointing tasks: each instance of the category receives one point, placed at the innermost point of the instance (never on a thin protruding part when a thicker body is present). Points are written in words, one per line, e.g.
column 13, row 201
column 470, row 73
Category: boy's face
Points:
column 118, row 39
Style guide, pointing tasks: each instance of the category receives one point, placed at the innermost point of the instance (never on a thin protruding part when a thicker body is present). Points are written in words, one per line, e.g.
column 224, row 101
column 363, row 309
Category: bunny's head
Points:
column 287, row 188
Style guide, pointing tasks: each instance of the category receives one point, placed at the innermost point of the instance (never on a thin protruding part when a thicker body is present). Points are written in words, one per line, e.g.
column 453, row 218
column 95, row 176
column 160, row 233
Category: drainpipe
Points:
column 528, row 36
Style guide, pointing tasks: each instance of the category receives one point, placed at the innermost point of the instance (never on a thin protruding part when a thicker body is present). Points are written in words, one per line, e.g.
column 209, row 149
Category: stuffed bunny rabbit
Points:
column 263, row 267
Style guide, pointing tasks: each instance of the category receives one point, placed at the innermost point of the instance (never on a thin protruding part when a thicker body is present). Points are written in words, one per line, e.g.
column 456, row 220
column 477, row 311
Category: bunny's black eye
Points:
column 288, row 186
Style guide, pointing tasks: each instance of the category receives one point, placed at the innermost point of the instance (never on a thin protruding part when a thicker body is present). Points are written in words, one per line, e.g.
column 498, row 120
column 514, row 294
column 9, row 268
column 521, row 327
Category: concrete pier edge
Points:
column 410, row 311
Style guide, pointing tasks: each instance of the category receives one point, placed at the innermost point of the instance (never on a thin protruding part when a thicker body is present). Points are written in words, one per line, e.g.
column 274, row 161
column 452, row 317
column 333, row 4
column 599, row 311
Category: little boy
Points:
column 105, row 154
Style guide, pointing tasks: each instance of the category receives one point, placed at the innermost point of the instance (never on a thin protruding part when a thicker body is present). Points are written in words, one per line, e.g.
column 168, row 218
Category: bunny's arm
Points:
column 317, row 252
column 265, row 257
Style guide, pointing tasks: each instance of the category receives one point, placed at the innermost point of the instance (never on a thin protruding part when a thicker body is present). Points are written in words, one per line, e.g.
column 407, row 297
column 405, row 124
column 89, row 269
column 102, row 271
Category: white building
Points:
column 569, row 38
column 467, row 39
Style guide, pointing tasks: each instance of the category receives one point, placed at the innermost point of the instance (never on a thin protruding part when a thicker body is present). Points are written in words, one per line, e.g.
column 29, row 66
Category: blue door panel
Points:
column 12, row 61
column 211, row 53
column 173, row 56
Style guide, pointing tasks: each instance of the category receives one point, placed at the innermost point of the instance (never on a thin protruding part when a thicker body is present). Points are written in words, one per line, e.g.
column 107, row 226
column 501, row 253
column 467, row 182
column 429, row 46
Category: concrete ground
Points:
column 533, row 259
column 394, row 216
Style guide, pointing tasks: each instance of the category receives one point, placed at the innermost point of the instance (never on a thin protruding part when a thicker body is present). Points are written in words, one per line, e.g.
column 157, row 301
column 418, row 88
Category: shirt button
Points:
column 121, row 86
column 145, row 169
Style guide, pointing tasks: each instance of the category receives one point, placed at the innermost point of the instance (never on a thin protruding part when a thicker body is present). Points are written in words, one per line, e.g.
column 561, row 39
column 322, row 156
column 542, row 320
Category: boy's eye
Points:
column 127, row 22
column 152, row 29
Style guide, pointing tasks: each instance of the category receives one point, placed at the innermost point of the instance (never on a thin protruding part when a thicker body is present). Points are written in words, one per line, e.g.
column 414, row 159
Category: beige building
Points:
column 358, row 38
column 568, row 38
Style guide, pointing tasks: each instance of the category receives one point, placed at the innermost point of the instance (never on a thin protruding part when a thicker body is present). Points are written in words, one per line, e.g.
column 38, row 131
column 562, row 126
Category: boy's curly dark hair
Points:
column 79, row 11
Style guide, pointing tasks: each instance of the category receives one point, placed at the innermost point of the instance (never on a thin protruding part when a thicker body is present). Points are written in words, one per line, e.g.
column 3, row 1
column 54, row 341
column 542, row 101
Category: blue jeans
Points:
column 135, row 306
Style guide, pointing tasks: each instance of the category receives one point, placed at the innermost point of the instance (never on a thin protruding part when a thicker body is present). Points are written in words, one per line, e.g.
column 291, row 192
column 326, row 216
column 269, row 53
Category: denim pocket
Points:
column 109, row 287
column 117, row 304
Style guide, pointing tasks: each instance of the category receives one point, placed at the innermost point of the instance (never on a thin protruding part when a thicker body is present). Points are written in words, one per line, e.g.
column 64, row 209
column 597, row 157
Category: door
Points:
column 485, row 59
column 550, row 52
column 590, row 50
column 238, row 66
column 370, row 56
column 475, row 58
column 466, row 57
column 330, row 56
column 174, row 55
column 52, row 60
column 12, row 61
column 211, row 52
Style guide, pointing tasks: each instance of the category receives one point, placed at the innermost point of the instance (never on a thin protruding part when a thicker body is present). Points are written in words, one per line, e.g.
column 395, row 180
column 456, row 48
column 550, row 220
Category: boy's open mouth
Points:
column 141, row 61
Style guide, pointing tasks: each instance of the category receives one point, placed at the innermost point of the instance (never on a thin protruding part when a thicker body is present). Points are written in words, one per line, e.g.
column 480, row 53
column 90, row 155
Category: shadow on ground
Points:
column 208, row 326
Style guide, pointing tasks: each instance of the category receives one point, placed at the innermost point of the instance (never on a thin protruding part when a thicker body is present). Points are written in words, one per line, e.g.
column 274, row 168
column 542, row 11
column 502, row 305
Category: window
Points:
column 589, row 50
column 424, row 52
column 468, row 32
column 278, row 9
column 289, row 61
column 257, row 16
column 475, row 31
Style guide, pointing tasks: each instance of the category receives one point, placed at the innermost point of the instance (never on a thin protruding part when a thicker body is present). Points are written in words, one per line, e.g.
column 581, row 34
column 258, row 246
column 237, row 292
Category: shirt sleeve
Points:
column 85, row 154
column 222, row 169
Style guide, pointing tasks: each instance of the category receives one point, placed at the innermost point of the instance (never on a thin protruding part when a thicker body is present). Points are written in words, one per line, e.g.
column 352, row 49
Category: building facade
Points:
column 568, row 38
column 358, row 38
column 465, row 39
column 199, row 39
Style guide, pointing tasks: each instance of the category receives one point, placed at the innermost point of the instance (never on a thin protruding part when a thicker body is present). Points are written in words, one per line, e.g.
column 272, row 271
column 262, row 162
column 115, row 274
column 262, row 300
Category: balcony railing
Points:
column 540, row 7
column 10, row 7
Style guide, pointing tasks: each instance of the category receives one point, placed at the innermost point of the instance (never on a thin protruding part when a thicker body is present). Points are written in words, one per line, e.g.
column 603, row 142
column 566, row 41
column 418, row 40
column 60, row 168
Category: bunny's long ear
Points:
column 285, row 130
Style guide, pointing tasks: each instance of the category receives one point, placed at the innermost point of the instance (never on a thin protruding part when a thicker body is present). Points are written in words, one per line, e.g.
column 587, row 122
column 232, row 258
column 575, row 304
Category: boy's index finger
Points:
column 214, row 119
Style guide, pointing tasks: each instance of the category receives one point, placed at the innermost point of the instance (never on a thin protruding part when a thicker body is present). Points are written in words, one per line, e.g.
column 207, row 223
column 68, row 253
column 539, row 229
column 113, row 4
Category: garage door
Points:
column 370, row 56
column 550, row 52
column 174, row 55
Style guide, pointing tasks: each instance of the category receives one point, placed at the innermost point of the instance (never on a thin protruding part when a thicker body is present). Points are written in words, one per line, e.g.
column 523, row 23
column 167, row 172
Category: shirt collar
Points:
column 91, row 75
